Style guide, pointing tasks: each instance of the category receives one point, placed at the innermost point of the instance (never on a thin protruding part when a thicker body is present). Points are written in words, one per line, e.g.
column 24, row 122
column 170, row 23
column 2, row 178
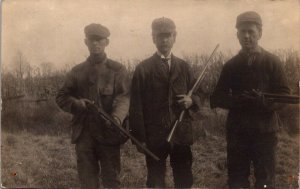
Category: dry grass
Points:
column 37, row 161
column 30, row 160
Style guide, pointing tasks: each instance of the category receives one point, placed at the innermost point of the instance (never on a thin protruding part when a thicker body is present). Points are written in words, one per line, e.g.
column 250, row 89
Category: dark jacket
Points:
column 105, row 83
column 266, row 74
column 153, row 106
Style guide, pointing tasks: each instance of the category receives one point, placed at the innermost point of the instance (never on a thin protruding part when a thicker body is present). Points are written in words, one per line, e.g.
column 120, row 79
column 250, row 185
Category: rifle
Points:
column 287, row 99
column 275, row 98
column 103, row 115
column 170, row 136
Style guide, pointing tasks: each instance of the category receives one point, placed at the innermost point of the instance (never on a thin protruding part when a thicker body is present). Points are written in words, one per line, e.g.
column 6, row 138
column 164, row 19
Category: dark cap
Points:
column 96, row 30
column 163, row 25
column 249, row 16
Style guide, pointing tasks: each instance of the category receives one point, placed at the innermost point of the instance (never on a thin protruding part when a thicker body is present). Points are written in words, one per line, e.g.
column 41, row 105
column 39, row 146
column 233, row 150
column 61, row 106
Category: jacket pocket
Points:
column 107, row 97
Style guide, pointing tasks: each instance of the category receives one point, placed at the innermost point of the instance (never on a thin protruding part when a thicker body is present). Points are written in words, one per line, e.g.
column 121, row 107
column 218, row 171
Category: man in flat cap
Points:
column 158, row 91
column 252, row 121
column 103, row 82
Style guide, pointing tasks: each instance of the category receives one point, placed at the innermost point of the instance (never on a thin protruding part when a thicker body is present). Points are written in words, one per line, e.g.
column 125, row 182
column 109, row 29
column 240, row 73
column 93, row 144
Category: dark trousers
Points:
column 89, row 154
column 181, row 163
column 246, row 147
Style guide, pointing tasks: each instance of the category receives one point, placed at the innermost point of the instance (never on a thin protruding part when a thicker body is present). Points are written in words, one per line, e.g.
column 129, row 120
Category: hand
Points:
column 185, row 101
column 257, row 96
column 260, row 98
column 117, row 120
column 80, row 105
column 109, row 124
column 139, row 149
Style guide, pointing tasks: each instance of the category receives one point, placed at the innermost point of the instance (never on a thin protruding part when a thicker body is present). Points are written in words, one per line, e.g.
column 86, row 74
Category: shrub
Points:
column 45, row 116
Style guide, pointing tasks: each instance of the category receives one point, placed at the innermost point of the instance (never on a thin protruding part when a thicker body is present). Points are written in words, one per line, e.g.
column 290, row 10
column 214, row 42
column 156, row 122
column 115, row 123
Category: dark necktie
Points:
column 165, row 64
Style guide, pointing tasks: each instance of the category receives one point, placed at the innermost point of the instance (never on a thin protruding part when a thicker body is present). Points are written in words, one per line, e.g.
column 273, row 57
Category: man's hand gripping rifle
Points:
column 170, row 136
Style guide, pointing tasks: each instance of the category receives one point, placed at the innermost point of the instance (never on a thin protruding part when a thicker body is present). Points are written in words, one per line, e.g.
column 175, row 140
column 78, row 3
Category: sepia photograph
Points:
column 150, row 94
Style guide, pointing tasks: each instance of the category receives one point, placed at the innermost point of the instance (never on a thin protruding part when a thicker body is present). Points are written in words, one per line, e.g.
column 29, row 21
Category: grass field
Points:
column 49, row 161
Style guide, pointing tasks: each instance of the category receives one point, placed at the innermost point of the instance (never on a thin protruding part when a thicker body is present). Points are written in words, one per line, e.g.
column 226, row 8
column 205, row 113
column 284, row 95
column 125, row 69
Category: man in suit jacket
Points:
column 252, row 121
column 101, row 81
column 158, row 91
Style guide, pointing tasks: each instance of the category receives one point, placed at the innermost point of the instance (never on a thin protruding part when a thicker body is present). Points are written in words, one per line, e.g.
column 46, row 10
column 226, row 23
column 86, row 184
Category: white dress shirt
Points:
column 167, row 57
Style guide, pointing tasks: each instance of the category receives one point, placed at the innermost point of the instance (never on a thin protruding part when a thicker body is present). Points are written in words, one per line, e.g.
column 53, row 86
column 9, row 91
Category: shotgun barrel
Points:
column 170, row 136
column 103, row 115
column 279, row 98
column 271, row 95
column 284, row 100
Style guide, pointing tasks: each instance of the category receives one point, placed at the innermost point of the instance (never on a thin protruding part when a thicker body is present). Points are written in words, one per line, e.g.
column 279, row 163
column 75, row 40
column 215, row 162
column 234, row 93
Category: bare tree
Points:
column 47, row 68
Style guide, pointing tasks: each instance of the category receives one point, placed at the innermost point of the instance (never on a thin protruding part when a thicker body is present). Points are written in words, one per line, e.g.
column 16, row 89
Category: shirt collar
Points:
column 162, row 56
column 257, row 50
column 97, row 59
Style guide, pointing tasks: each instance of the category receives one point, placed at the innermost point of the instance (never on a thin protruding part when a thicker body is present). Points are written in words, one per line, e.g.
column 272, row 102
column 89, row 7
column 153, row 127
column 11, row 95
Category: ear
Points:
column 175, row 35
column 86, row 41
column 107, row 42
column 260, row 33
column 154, row 38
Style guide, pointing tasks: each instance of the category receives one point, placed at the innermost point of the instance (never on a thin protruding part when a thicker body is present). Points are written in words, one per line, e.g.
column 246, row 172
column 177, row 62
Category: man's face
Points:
column 164, row 42
column 248, row 35
column 96, row 45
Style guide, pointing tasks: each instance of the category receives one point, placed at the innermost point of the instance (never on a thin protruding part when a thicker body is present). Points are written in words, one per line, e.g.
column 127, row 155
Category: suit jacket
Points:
column 153, row 107
column 266, row 74
column 105, row 83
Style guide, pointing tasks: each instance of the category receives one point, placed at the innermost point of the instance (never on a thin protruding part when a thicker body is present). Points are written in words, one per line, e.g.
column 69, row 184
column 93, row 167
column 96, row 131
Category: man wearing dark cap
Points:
column 252, row 121
column 158, row 91
column 103, row 82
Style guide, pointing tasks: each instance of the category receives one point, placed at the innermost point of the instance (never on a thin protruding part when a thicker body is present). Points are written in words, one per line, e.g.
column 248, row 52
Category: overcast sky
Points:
column 52, row 30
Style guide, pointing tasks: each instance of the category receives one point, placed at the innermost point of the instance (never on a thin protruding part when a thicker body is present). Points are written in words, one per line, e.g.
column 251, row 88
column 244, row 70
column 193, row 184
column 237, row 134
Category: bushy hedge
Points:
column 44, row 116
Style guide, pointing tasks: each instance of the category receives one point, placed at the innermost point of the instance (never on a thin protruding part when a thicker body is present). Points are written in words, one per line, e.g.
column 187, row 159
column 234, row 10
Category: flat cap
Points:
column 96, row 30
column 163, row 25
column 249, row 16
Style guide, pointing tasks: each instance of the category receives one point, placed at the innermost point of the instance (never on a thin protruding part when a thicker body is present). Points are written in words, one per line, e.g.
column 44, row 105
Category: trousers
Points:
column 94, row 158
column 181, row 163
column 244, row 148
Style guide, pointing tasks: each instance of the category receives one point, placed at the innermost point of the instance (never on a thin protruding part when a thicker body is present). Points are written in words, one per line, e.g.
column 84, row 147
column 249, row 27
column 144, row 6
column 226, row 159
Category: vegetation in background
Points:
column 36, row 149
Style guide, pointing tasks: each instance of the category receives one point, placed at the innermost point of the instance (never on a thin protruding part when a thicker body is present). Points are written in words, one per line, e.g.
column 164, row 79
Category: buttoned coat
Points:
column 266, row 74
column 105, row 83
column 154, row 107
